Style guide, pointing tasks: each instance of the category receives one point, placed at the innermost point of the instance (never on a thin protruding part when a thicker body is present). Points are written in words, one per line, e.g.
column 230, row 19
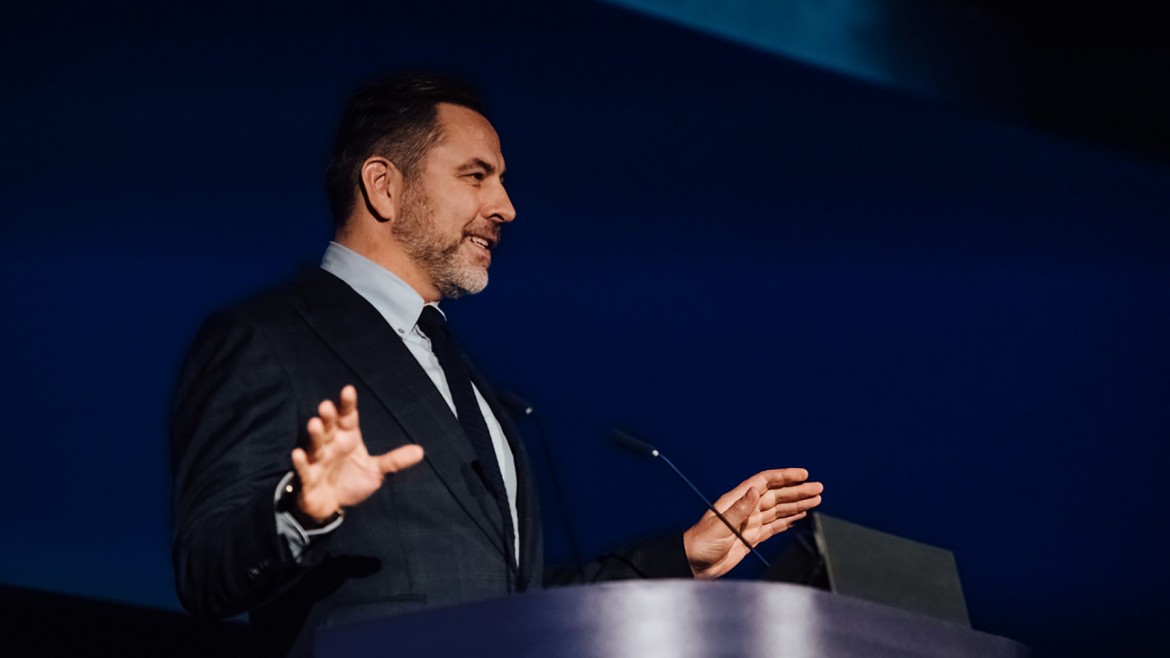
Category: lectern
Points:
column 674, row 618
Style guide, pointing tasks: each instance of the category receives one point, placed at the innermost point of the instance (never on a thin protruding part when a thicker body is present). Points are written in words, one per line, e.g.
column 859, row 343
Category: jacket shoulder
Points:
column 262, row 307
column 282, row 303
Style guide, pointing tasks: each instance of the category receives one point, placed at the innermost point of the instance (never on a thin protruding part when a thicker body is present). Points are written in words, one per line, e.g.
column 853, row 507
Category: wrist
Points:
column 309, row 517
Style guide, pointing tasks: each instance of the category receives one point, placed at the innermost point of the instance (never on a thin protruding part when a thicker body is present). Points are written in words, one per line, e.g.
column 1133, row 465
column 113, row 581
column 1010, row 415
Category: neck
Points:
column 388, row 253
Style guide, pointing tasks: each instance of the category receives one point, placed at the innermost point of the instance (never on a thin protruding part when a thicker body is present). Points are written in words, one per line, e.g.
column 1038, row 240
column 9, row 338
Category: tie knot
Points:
column 431, row 321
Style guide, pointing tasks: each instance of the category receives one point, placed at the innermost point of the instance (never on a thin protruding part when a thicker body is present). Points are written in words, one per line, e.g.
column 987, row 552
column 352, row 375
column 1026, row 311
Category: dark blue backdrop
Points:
column 956, row 324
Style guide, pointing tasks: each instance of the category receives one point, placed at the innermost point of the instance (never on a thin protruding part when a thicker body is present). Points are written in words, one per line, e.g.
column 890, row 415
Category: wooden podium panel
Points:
column 675, row 618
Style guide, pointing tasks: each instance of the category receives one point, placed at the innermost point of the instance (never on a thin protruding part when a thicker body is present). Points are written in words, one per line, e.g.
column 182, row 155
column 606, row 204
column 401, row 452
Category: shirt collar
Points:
column 393, row 298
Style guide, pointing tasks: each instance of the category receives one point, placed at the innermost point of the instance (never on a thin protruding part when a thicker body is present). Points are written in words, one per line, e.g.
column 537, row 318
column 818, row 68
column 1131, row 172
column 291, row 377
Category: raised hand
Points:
column 761, row 506
column 336, row 471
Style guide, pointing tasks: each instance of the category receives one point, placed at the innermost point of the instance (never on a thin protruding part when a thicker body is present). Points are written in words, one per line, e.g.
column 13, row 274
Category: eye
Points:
column 479, row 176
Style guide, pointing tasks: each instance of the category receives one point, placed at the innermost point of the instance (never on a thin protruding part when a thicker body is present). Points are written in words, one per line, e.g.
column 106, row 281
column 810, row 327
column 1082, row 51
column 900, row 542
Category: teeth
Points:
column 480, row 241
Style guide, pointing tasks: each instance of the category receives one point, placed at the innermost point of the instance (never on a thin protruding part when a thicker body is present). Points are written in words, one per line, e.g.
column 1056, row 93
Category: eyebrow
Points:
column 477, row 163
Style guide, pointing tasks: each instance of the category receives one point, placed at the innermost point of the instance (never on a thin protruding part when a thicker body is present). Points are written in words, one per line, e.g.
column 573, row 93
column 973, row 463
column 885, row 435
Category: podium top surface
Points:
column 676, row 618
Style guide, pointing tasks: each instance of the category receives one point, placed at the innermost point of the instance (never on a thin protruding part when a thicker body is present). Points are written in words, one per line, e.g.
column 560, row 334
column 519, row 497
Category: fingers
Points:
column 777, row 519
column 766, row 483
column 322, row 427
column 790, row 500
column 779, row 498
column 335, row 440
column 347, row 418
column 400, row 458
column 792, row 494
column 329, row 419
column 768, row 530
column 300, row 461
column 777, row 478
column 319, row 437
column 790, row 509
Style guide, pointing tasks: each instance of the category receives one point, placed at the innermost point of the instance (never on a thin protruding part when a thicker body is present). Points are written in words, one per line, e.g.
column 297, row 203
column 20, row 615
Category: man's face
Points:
column 453, row 207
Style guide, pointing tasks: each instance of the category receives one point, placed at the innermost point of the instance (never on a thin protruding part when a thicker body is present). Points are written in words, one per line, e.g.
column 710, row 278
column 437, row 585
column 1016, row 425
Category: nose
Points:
column 500, row 209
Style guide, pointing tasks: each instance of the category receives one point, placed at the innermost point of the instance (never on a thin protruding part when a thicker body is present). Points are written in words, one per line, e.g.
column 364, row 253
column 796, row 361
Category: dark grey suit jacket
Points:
column 431, row 535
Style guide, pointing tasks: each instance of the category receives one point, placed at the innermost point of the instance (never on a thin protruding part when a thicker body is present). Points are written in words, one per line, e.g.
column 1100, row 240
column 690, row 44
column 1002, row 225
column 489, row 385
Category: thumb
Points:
column 741, row 511
column 400, row 459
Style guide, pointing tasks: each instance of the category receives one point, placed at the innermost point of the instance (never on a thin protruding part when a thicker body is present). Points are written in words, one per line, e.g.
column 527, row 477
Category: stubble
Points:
column 443, row 258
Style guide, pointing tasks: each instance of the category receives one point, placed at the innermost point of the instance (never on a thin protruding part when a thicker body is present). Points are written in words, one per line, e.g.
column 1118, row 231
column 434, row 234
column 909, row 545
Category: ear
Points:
column 381, row 186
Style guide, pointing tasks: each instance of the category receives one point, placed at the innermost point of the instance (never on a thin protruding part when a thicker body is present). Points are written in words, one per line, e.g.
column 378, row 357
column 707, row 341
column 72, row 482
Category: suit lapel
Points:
column 526, row 500
column 360, row 337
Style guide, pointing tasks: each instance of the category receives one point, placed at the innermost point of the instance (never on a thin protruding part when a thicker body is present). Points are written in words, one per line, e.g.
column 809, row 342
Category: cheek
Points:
column 454, row 221
column 456, row 207
column 464, row 213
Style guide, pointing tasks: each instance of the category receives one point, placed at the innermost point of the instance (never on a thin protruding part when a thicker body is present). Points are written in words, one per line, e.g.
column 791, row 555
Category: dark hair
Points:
column 394, row 117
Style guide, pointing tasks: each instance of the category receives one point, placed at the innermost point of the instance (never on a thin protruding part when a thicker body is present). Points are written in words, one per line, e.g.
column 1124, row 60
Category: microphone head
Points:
column 630, row 443
column 515, row 402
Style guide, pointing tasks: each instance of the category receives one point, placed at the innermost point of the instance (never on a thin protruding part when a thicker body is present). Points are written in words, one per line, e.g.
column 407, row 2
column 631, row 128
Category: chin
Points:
column 465, row 283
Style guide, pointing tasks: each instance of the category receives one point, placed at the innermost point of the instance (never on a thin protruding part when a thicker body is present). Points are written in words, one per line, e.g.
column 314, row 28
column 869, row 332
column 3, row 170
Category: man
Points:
column 290, row 507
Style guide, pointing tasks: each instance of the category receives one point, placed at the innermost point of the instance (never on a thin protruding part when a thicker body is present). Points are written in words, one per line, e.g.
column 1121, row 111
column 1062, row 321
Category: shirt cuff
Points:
column 299, row 541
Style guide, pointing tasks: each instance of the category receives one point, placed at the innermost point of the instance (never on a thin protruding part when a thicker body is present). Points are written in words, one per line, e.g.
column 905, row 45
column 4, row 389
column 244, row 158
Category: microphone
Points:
column 637, row 445
column 516, row 403
column 645, row 449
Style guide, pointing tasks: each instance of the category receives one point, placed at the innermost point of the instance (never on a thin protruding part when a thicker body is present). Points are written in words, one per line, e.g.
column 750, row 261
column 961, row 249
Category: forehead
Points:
column 466, row 135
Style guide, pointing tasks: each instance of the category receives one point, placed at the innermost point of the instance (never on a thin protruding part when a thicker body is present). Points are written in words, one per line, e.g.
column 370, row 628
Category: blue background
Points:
column 957, row 323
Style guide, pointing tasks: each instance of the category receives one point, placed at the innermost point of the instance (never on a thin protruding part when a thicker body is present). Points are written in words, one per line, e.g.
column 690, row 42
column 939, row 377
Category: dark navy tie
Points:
column 467, row 409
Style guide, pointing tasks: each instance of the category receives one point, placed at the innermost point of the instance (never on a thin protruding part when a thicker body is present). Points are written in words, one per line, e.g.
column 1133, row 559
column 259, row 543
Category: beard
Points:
column 449, row 266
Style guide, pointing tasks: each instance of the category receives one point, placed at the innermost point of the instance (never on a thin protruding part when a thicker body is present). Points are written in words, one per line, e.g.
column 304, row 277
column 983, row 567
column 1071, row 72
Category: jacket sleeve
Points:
column 234, row 422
